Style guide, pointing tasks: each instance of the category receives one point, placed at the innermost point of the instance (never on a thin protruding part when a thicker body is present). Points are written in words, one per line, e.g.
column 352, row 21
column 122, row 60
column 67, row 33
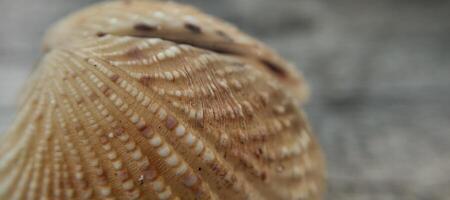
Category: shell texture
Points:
column 156, row 100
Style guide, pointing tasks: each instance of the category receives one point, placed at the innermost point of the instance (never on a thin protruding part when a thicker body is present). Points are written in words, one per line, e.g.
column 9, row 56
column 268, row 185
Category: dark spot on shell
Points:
column 193, row 28
column 100, row 34
column 119, row 131
column 224, row 35
column 274, row 68
column 122, row 175
column 142, row 128
column 215, row 168
column 144, row 27
column 260, row 151
column 149, row 174
column 199, row 169
column 145, row 80
column 147, row 132
column 222, row 172
column 103, row 88
column 80, row 101
column 171, row 122
column 134, row 53
column 103, row 139
column 263, row 176
column 106, row 90
column 114, row 78
column 78, row 127
column 40, row 117
column 201, row 123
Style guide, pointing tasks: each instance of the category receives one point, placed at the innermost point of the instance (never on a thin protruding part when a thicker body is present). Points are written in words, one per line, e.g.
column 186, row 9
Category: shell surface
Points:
column 156, row 100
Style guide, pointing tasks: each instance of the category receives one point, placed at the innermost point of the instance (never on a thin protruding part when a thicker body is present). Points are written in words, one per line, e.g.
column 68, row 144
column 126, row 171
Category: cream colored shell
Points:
column 155, row 100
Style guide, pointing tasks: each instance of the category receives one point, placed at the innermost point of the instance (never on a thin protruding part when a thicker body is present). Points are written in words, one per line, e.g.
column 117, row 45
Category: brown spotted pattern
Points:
column 147, row 100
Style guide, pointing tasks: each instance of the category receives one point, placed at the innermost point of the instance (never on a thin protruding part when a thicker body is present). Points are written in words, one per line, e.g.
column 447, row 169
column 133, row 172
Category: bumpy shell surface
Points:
column 153, row 100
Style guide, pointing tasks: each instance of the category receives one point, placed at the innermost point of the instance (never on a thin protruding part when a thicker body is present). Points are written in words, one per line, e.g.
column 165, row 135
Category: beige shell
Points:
column 155, row 100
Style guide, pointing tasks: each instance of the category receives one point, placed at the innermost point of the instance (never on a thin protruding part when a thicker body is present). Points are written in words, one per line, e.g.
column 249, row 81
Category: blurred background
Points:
column 379, row 71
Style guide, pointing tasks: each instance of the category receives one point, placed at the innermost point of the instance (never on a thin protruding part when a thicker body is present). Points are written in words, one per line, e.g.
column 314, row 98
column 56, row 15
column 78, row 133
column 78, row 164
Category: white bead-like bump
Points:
column 208, row 156
column 180, row 170
column 128, row 185
column 165, row 195
column 180, row 130
column 112, row 155
column 162, row 114
column 155, row 141
column 117, row 164
column 130, row 146
column 190, row 139
column 164, row 151
column 158, row 186
column 198, row 148
column 190, row 180
column 136, row 155
column 172, row 160
column 105, row 191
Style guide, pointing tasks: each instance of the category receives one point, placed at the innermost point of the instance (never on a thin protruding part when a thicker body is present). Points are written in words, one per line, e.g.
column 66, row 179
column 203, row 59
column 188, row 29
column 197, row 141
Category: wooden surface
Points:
column 379, row 72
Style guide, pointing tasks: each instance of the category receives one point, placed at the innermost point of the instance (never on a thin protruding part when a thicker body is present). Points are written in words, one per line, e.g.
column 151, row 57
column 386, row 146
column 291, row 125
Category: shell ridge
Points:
column 115, row 146
column 29, row 130
column 118, row 68
column 135, row 104
column 75, row 152
column 154, row 97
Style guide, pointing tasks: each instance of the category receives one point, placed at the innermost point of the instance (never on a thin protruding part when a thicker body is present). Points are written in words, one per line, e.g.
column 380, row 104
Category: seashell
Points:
column 156, row 100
